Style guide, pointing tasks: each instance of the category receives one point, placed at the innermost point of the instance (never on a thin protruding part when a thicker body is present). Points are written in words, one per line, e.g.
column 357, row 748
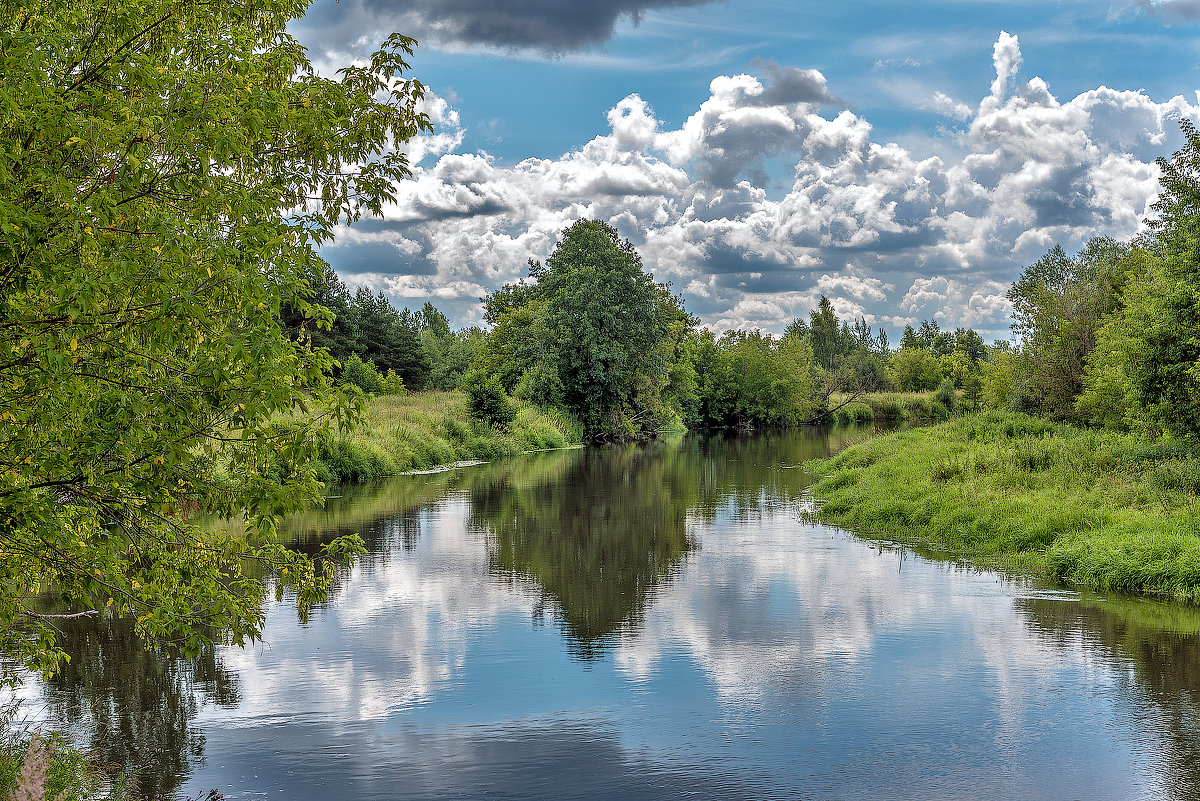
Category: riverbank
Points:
column 423, row 430
column 1095, row 508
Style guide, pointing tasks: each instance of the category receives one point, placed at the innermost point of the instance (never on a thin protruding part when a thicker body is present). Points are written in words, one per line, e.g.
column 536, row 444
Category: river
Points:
column 651, row 622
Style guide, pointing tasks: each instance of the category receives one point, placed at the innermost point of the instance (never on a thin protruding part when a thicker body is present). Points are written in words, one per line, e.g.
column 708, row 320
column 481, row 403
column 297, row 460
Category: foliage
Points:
column 1059, row 303
column 1148, row 358
column 593, row 332
column 823, row 333
column 851, row 356
column 36, row 767
column 1096, row 508
column 486, row 400
column 392, row 384
column 957, row 367
column 390, row 338
column 914, row 370
column 946, row 395
column 449, row 353
column 752, row 378
column 999, row 377
column 972, row 389
column 361, row 374
column 366, row 325
column 168, row 170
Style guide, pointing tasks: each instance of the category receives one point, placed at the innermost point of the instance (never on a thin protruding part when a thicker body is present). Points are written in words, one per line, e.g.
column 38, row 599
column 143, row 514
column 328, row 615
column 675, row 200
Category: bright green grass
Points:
column 423, row 430
column 1099, row 509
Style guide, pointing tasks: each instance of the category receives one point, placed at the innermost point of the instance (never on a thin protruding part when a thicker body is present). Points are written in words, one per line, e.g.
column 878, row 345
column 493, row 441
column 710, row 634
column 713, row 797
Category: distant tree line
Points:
column 367, row 335
column 591, row 332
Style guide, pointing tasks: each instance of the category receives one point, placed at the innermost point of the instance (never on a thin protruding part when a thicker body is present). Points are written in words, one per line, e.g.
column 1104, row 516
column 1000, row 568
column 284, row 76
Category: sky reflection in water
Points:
column 660, row 623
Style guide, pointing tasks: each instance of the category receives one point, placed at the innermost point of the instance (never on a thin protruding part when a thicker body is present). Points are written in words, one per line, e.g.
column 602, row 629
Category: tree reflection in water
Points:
column 136, row 705
column 607, row 528
column 1162, row 643
column 597, row 538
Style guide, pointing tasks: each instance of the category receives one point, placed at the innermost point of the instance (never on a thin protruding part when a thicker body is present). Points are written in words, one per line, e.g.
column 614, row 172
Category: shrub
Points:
column 361, row 374
column 392, row 384
column 893, row 409
column 946, row 394
column 486, row 400
column 855, row 413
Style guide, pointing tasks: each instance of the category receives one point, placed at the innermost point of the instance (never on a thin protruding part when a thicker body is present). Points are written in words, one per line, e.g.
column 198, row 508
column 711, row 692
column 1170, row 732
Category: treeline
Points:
column 591, row 332
column 372, row 341
column 1111, row 335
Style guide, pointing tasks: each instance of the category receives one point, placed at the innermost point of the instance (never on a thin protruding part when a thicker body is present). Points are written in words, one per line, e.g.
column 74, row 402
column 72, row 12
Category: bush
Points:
column 392, row 384
column 486, row 400
column 361, row 374
column 893, row 409
column 854, row 413
column 946, row 394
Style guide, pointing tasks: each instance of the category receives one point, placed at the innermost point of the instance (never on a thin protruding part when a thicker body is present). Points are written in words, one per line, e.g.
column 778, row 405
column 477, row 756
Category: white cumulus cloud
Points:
column 887, row 232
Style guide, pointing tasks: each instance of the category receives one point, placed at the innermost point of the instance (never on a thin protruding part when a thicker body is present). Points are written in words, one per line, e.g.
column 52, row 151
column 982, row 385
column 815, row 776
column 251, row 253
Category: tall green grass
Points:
column 1096, row 508
column 424, row 430
column 891, row 407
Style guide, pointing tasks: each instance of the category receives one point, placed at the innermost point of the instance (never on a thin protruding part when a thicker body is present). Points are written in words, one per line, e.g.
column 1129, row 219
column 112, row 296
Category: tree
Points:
column 766, row 381
column 326, row 290
column 390, row 338
column 486, row 400
column 914, row 370
column 958, row 367
column 594, row 332
column 971, row 343
column 1145, row 369
column 825, row 334
column 1059, row 303
column 797, row 329
column 167, row 171
column 928, row 333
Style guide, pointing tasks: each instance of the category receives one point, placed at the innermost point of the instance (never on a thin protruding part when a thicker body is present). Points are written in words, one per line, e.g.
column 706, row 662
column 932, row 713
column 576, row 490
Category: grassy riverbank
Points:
column 1095, row 508
column 423, row 430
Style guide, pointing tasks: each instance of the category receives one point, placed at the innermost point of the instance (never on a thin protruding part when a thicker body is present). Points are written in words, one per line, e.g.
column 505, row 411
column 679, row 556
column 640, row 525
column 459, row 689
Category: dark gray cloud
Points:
column 721, row 259
column 1066, row 198
column 772, row 283
column 785, row 85
column 376, row 257
column 552, row 26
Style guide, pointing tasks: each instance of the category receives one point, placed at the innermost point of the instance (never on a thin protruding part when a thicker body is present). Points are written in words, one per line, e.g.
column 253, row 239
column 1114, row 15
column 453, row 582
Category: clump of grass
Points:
column 854, row 412
column 1099, row 509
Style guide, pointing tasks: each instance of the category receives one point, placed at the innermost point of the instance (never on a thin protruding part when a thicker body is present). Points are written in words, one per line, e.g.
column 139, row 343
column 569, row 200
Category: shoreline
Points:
column 1000, row 490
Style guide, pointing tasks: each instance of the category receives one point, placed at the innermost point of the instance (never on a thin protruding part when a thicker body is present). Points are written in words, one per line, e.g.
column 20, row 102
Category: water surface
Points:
column 653, row 622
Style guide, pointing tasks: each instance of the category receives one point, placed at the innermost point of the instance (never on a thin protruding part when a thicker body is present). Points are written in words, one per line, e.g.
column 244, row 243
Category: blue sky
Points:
column 907, row 160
